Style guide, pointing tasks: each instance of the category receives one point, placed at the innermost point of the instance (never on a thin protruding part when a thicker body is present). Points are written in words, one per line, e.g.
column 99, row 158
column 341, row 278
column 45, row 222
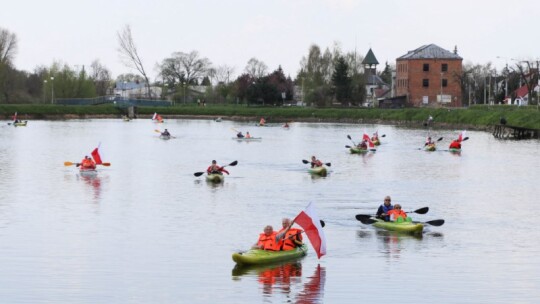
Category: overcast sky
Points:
column 277, row 32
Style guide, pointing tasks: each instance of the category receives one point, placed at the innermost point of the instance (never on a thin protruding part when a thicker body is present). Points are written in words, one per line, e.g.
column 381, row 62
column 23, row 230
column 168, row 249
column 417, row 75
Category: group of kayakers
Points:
column 287, row 238
column 240, row 135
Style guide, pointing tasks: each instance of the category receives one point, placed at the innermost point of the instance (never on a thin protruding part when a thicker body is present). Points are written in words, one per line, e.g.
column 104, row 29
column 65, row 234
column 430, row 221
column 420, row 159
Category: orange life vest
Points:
column 288, row 241
column 395, row 214
column 88, row 164
column 455, row 145
column 268, row 242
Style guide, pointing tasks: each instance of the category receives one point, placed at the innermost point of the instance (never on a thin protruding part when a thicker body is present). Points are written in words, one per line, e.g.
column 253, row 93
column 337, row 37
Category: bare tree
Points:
column 184, row 67
column 101, row 77
column 8, row 46
column 221, row 74
column 255, row 68
column 129, row 54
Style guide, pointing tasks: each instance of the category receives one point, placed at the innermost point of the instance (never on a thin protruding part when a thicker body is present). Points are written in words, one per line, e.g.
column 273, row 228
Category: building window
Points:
column 426, row 67
column 425, row 83
column 445, row 82
column 444, row 67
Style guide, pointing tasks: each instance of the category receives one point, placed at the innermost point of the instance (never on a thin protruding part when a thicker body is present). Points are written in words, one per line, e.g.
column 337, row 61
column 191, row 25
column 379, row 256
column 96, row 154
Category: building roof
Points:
column 375, row 80
column 524, row 90
column 430, row 51
column 370, row 58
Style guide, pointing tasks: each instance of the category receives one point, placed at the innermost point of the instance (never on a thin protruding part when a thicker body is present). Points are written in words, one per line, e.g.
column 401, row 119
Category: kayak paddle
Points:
column 307, row 162
column 422, row 210
column 78, row 164
column 349, row 137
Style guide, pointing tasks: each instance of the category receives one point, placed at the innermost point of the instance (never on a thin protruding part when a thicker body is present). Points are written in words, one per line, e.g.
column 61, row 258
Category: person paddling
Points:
column 87, row 163
column 384, row 209
column 363, row 145
column 166, row 133
column 315, row 162
column 214, row 168
column 248, row 135
column 240, row 135
column 455, row 144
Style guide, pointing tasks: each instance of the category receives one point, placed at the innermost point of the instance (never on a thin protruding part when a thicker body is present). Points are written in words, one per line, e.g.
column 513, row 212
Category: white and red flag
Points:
column 368, row 139
column 96, row 156
column 14, row 116
column 461, row 136
column 155, row 116
column 311, row 224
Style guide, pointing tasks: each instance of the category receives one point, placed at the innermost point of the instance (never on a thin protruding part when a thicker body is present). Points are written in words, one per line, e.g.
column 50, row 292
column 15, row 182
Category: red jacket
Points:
column 268, row 242
column 215, row 168
column 455, row 145
column 288, row 241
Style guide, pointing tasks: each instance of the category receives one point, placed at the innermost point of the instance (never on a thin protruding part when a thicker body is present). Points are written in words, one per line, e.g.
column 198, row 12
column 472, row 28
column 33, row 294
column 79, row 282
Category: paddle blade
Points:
column 68, row 163
column 422, row 210
column 198, row 173
column 322, row 223
column 465, row 139
column 329, row 164
column 384, row 135
column 435, row 222
column 441, row 138
column 348, row 147
column 349, row 137
column 234, row 163
column 105, row 164
column 157, row 131
column 305, row 161
column 365, row 219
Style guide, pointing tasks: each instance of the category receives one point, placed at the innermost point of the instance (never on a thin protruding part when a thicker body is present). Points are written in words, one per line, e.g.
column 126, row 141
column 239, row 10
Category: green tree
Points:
column 341, row 81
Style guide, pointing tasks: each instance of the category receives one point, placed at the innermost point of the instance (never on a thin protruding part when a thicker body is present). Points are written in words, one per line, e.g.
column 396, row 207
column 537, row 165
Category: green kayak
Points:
column 318, row 170
column 259, row 257
column 408, row 227
column 356, row 150
column 215, row 178
column 453, row 150
column 430, row 147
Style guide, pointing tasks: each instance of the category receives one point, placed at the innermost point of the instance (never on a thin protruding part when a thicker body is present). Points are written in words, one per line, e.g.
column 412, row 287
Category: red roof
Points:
column 522, row 91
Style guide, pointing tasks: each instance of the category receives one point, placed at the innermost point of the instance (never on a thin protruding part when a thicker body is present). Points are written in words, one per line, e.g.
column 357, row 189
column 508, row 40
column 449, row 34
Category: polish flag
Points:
column 14, row 116
column 158, row 118
column 96, row 157
column 370, row 143
column 154, row 117
column 311, row 224
column 461, row 136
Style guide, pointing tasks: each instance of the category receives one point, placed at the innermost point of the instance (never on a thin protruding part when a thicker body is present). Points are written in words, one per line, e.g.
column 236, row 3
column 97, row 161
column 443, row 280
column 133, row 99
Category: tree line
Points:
column 326, row 77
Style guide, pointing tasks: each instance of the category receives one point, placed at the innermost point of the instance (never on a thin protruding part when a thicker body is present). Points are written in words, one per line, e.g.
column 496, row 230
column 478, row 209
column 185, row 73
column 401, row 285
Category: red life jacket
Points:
column 268, row 242
column 455, row 145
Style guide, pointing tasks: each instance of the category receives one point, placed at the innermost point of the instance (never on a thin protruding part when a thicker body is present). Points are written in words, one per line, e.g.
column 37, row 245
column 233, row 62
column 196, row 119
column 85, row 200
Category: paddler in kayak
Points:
column 289, row 238
column 248, row 135
column 262, row 122
column 384, row 209
column 455, row 144
column 214, row 168
column 267, row 240
column 87, row 163
column 429, row 141
column 398, row 215
column 363, row 145
column 166, row 133
column 315, row 162
column 240, row 135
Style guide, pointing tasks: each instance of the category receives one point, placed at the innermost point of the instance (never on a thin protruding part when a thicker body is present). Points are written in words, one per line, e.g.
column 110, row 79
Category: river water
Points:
column 146, row 230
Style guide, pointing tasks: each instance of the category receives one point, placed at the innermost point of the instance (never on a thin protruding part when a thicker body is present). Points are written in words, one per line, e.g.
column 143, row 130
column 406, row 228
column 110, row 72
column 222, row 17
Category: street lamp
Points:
column 124, row 95
column 44, row 84
column 184, row 85
column 52, row 90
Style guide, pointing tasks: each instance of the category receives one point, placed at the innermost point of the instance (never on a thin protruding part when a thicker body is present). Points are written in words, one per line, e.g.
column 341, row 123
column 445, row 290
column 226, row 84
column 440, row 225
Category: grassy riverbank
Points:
column 478, row 117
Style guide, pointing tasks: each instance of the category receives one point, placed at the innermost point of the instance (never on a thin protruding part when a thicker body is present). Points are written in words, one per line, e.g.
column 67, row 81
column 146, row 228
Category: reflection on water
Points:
column 286, row 279
column 94, row 182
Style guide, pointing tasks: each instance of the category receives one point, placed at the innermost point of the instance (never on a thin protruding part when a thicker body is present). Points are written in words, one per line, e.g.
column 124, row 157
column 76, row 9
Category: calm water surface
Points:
column 145, row 230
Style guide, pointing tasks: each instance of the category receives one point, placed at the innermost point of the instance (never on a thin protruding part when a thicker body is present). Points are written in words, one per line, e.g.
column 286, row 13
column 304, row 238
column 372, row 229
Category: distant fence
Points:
column 121, row 102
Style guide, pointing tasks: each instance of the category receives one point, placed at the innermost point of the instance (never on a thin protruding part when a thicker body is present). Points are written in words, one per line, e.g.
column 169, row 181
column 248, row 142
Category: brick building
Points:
column 428, row 76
